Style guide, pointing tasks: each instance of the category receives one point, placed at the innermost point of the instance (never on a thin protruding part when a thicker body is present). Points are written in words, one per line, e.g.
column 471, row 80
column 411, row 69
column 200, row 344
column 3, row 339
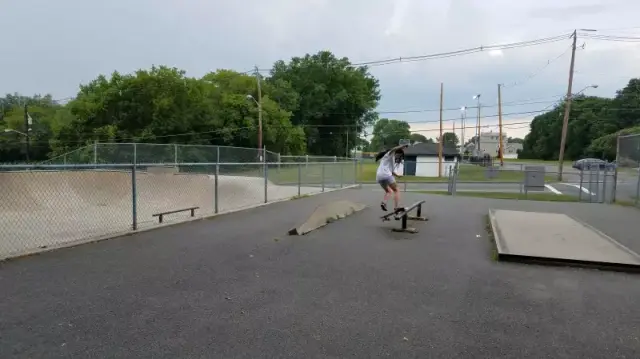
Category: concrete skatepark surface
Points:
column 238, row 286
column 48, row 208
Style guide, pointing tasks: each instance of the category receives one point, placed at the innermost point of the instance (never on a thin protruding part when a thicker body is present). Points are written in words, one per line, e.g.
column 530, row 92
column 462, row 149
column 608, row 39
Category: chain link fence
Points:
column 130, row 153
column 44, row 206
column 628, row 170
column 307, row 158
column 526, row 181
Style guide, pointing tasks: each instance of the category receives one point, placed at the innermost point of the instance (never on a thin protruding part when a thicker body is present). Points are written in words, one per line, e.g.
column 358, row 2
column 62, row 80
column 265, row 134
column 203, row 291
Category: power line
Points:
column 615, row 38
column 537, row 72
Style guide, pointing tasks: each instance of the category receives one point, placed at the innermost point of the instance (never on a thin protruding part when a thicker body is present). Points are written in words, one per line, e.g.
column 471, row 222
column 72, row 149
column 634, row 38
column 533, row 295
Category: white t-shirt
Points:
column 385, row 168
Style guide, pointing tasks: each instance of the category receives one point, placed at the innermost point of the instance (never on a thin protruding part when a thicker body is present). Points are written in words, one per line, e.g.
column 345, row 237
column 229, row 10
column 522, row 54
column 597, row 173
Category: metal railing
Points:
column 49, row 205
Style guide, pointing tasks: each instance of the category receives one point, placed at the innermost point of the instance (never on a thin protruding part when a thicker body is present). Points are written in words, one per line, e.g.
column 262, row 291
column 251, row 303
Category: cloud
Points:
column 67, row 42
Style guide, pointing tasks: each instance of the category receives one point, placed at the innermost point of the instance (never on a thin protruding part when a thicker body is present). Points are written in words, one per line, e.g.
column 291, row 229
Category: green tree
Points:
column 388, row 133
column 591, row 117
column 42, row 110
column 515, row 140
column 162, row 105
column 336, row 99
column 416, row 137
column 450, row 139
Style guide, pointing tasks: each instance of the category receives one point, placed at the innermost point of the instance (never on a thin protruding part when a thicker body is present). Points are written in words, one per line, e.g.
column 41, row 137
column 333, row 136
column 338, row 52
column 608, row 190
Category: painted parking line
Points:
column 552, row 189
column 580, row 188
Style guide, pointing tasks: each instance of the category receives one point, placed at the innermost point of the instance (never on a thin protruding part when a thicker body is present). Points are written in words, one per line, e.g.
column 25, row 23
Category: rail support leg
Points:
column 418, row 216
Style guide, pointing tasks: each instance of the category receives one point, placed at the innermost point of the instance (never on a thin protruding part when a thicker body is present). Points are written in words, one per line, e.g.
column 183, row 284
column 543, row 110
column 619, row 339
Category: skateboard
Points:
column 398, row 213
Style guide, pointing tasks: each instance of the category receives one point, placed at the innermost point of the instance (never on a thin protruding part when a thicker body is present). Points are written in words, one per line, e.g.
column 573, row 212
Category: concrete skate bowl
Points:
column 39, row 209
column 44, row 209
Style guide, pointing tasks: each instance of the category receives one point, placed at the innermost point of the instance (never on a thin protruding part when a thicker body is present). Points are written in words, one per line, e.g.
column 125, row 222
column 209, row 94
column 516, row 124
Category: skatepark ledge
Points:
column 555, row 245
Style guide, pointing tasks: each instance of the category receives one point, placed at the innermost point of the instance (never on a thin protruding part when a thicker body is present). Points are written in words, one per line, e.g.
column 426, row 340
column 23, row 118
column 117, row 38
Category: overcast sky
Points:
column 53, row 46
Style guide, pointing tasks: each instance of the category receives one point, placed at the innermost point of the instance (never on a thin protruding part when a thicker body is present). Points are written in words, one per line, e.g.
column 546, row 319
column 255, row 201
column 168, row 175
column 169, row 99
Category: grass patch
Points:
column 467, row 173
column 627, row 203
column 346, row 172
column 547, row 197
column 545, row 162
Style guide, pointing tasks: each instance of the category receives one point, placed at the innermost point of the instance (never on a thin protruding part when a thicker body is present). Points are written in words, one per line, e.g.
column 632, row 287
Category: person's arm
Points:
column 393, row 150
column 394, row 170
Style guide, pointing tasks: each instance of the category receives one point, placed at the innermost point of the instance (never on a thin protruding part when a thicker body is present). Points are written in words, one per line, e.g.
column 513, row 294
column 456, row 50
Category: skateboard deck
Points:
column 396, row 214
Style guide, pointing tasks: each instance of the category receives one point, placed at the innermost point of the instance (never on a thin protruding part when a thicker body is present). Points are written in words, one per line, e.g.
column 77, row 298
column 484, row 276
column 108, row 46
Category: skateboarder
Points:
column 389, row 159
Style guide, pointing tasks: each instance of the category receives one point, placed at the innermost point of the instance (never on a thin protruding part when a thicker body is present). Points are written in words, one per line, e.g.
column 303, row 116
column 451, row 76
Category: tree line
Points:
column 315, row 104
column 593, row 127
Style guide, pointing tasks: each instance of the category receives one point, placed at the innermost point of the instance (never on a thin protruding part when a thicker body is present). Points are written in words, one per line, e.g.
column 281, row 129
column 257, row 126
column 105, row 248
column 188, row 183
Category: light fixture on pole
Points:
column 8, row 130
column 565, row 123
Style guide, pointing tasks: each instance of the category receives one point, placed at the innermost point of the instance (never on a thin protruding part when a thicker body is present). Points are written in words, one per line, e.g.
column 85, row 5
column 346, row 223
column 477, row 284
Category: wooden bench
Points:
column 161, row 214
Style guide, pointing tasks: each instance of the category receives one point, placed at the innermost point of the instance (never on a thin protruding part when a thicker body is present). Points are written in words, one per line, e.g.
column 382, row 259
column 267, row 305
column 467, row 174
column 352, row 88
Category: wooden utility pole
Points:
column 478, row 135
column 567, row 106
column 500, row 147
column 440, row 143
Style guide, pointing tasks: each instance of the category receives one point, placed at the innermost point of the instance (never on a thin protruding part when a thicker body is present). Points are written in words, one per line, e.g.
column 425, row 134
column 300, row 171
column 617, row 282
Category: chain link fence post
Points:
column 637, row 200
column 355, row 170
column 322, row 174
column 299, row 178
column 215, row 185
column 95, row 152
column 341, row 164
column 134, row 199
column 265, row 170
column 628, row 168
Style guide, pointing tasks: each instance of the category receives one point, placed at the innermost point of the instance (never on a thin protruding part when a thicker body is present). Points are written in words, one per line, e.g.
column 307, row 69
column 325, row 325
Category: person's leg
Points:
column 396, row 195
column 387, row 192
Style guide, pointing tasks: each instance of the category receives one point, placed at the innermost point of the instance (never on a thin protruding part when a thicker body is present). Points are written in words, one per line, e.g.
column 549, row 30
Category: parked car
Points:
column 593, row 163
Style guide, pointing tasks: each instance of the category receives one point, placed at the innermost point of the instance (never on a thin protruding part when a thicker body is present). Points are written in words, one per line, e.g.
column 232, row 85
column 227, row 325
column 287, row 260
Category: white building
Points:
column 489, row 144
column 422, row 160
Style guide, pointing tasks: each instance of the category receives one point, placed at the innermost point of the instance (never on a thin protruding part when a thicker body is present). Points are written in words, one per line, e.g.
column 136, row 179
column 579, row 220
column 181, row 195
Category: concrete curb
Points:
column 38, row 251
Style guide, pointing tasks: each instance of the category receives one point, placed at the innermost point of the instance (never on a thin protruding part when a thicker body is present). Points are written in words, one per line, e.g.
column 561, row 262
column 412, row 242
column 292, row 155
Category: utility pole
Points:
column 500, row 147
column 477, row 97
column 27, row 126
column 440, row 144
column 567, row 106
column 463, row 111
column 260, row 149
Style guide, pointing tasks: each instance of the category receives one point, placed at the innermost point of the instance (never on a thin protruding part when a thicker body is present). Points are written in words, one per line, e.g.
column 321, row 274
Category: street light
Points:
column 586, row 88
column 565, row 122
column 259, row 104
column 18, row 132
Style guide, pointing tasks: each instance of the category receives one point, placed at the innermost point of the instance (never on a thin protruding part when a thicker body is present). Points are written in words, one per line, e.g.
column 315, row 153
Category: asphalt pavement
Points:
column 237, row 287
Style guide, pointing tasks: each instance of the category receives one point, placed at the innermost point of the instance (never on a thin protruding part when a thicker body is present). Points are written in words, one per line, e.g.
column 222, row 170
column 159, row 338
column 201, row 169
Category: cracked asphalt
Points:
column 237, row 286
